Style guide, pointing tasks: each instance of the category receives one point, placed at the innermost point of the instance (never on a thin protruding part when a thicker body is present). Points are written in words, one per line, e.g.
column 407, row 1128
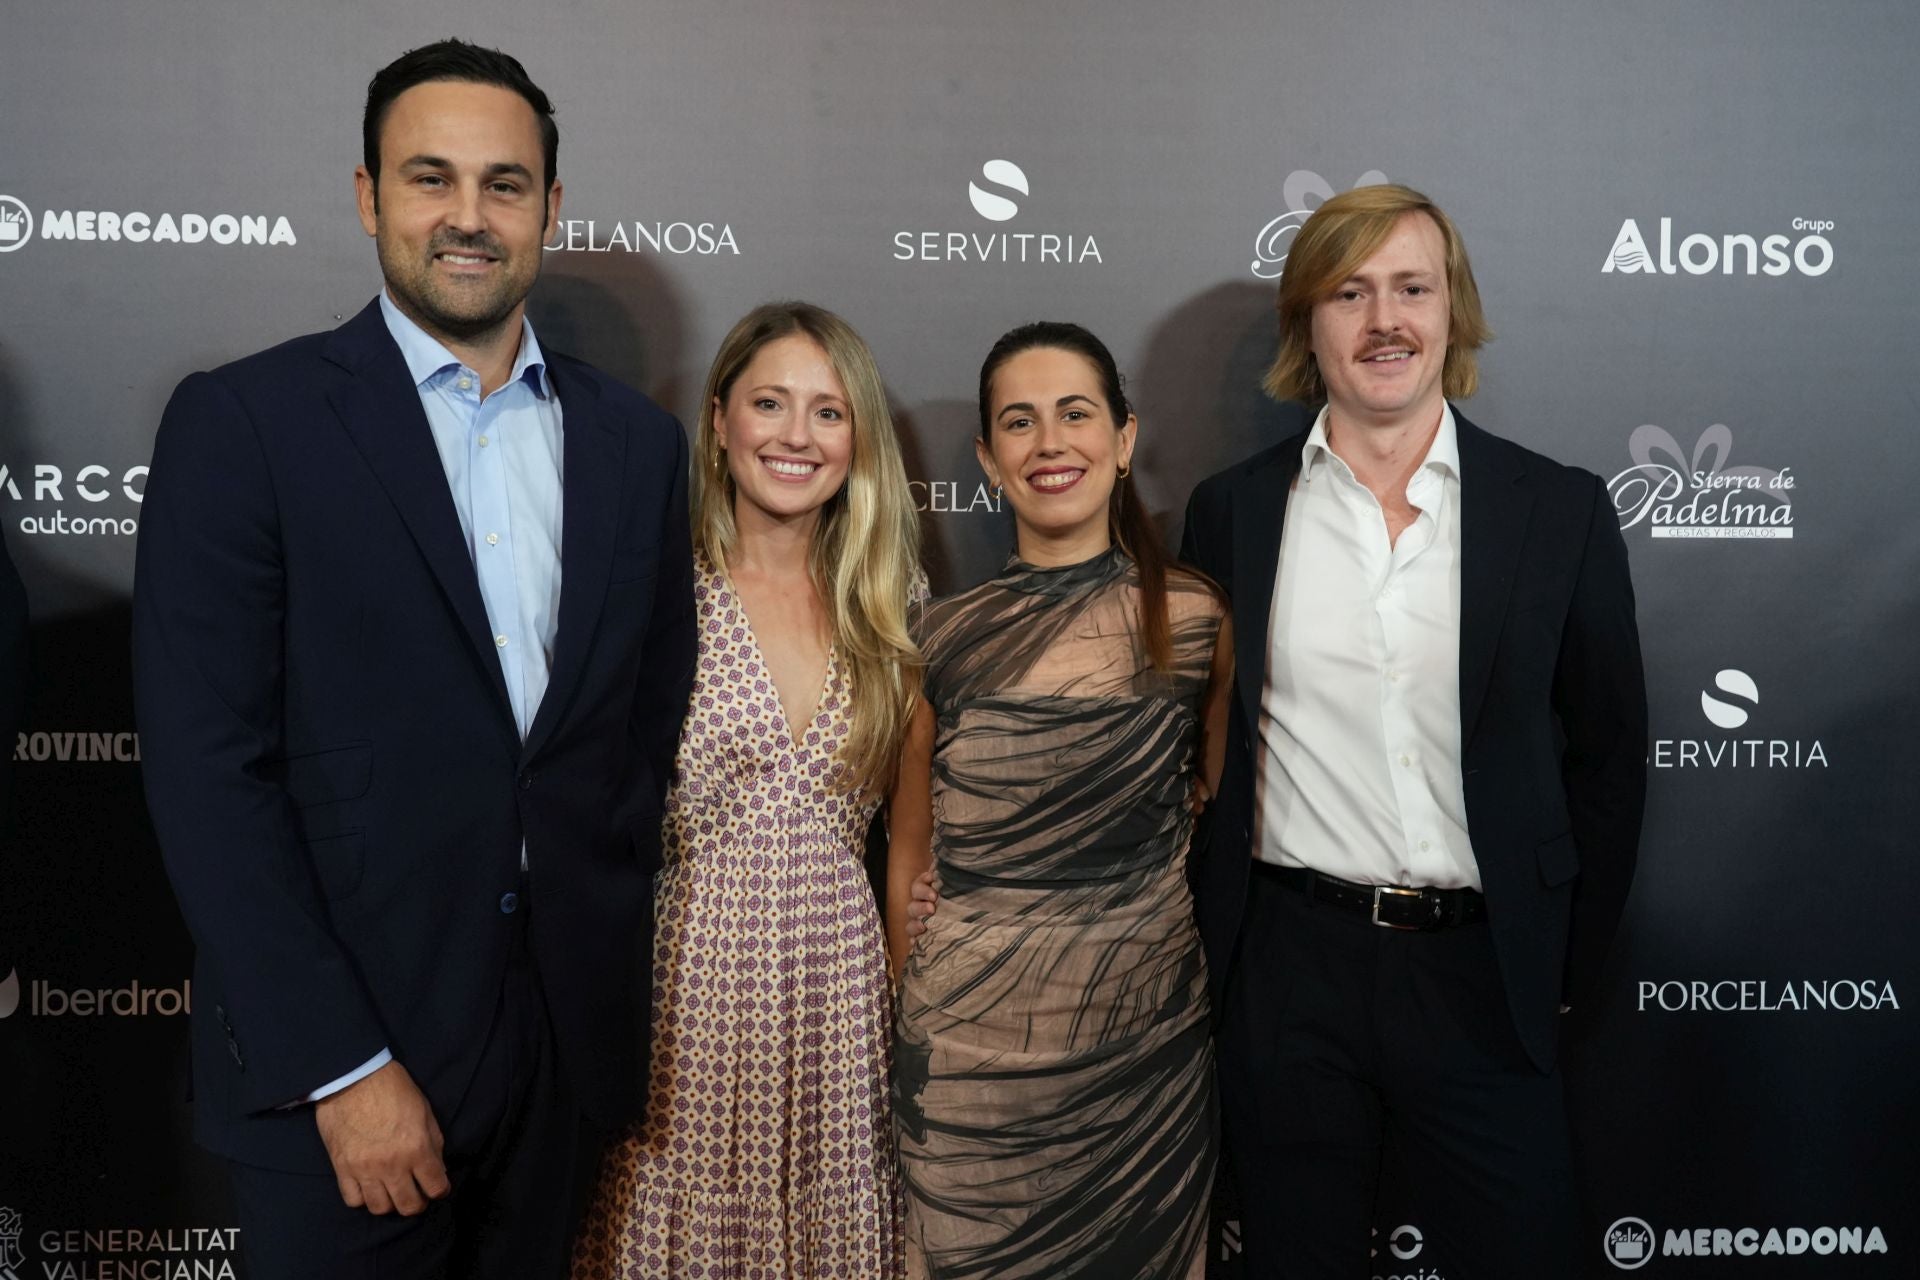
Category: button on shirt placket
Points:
column 491, row 535
column 1397, row 662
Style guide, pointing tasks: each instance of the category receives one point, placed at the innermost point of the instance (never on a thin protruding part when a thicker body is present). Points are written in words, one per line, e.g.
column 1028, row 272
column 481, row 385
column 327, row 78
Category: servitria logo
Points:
column 1733, row 700
column 993, row 197
column 1303, row 192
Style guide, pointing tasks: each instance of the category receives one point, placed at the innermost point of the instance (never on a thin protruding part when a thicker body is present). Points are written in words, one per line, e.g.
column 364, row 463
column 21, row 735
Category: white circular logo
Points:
column 991, row 205
column 1628, row 1244
column 1730, row 715
column 1406, row 1242
column 16, row 224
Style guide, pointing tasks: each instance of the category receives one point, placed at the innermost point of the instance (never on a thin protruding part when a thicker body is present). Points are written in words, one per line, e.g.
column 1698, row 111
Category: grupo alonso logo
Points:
column 1629, row 1244
column 1676, row 495
column 1735, row 253
column 992, row 205
column 1303, row 191
column 16, row 224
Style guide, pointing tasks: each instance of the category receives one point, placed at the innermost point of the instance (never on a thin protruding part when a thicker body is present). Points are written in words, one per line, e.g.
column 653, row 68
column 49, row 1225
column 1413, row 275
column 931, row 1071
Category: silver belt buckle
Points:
column 1380, row 889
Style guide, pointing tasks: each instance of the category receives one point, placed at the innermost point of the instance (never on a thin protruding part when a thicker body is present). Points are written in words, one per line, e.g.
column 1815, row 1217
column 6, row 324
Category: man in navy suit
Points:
column 413, row 637
column 1435, row 774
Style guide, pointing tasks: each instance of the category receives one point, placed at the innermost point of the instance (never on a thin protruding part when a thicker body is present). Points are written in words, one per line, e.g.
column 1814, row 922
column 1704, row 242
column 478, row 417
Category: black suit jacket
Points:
column 330, row 757
column 1552, row 706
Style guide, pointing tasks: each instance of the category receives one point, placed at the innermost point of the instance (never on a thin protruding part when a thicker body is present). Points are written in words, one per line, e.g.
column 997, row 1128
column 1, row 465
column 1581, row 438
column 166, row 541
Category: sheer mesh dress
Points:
column 1053, row 1077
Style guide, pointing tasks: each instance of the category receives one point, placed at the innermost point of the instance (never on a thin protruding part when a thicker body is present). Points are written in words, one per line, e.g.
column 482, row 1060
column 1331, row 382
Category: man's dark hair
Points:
column 453, row 60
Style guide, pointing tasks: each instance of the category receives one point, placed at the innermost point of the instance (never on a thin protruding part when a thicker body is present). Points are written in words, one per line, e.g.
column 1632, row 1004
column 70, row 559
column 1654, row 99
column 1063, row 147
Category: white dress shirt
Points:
column 1359, row 736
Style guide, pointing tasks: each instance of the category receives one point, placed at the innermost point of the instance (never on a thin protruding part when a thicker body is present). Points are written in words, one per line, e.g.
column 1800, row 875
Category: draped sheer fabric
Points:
column 1053, row 1088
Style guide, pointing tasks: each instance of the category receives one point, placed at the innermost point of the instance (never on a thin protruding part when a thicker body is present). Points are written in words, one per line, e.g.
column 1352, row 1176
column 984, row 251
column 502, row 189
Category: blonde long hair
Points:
column 1341, row 235
column 865, row 557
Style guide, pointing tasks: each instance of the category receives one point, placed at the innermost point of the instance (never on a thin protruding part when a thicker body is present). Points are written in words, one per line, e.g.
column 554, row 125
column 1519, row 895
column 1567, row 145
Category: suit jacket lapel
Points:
column 593, row 453
column 1495, row 505
column 1259, row 516
column 380, row 409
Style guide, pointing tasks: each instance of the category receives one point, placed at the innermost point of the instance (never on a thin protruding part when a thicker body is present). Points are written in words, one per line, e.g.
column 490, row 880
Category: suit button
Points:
column 509, row 903
column 526, row 780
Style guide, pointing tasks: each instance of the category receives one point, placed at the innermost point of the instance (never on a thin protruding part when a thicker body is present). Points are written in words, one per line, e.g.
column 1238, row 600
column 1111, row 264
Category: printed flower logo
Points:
column 1304, row 191
column 1662, row 473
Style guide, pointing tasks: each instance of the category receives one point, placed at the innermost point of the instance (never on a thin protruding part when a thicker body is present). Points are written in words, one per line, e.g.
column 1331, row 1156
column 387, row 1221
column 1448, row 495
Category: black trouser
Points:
column 1343, row 1044
column 518, row 1155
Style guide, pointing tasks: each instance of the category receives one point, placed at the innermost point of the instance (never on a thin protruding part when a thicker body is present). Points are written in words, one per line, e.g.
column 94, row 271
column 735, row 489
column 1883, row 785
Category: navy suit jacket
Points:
column 330, row 757
column 1553, row 709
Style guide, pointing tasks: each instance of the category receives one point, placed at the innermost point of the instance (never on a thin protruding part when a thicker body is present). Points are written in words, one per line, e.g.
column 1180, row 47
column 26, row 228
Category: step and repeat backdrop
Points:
column 1693, row 228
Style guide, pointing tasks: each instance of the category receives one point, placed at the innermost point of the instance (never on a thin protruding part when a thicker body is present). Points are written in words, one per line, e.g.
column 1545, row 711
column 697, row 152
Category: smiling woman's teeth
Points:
column 790, row 468
column 1054, row 480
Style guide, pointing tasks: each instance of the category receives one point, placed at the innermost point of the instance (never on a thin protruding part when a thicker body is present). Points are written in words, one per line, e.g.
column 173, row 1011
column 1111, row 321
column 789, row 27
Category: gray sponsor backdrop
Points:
column 1692, row 225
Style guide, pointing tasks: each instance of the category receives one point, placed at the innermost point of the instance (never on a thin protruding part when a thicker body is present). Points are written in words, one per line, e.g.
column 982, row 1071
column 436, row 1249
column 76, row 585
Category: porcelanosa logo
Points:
column 134, row 1000
column 1731, row 702
column 92, row 499
column 16, row 224
column 1807, row 252
column 953, row 497
column 994, row 202
column 139, row 227
column 1674, row 495
column 1630, row 1243
column 679, row 238
column 1304, row 191
column 1760, row 995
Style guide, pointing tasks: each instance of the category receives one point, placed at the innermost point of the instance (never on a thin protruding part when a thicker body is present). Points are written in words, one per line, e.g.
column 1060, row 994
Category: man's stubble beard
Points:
column 439, row 309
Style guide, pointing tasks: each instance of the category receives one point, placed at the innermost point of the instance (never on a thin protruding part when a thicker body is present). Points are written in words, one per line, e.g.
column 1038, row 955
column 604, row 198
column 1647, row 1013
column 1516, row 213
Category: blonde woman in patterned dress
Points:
column 767, row 1146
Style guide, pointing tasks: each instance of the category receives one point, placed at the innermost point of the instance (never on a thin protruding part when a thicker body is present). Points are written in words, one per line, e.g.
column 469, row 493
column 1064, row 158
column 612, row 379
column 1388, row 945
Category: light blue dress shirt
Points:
column 503, row 463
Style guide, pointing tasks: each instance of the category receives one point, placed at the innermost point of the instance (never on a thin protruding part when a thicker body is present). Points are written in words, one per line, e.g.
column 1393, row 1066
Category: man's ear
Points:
column 366, row 194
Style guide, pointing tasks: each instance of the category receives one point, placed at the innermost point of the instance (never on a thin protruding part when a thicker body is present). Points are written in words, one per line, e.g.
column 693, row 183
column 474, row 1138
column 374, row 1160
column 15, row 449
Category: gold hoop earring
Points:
column 999, row 491
column 1126, row 469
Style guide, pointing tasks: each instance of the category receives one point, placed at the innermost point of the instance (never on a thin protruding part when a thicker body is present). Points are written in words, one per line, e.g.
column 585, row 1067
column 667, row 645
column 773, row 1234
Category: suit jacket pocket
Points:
column 1559, row 860
column 324, row 777
column 338, row 862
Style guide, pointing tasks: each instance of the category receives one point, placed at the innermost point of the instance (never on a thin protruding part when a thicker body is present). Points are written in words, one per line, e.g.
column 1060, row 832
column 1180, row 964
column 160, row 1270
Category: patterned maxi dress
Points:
column 1053, row 1087
column 766, row 1151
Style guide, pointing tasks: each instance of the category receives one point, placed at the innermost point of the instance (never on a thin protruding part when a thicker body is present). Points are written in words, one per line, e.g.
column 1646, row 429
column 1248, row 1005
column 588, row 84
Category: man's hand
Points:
column 384, row 1143
column 921, row 905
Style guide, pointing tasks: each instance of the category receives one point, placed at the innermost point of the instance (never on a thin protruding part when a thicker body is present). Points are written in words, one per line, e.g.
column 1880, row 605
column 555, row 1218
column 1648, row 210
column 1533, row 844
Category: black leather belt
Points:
column 1389, row 906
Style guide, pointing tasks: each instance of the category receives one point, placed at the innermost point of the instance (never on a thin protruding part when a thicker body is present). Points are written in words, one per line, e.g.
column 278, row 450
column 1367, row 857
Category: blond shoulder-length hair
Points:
column 865, row 558
column 1341, row 235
